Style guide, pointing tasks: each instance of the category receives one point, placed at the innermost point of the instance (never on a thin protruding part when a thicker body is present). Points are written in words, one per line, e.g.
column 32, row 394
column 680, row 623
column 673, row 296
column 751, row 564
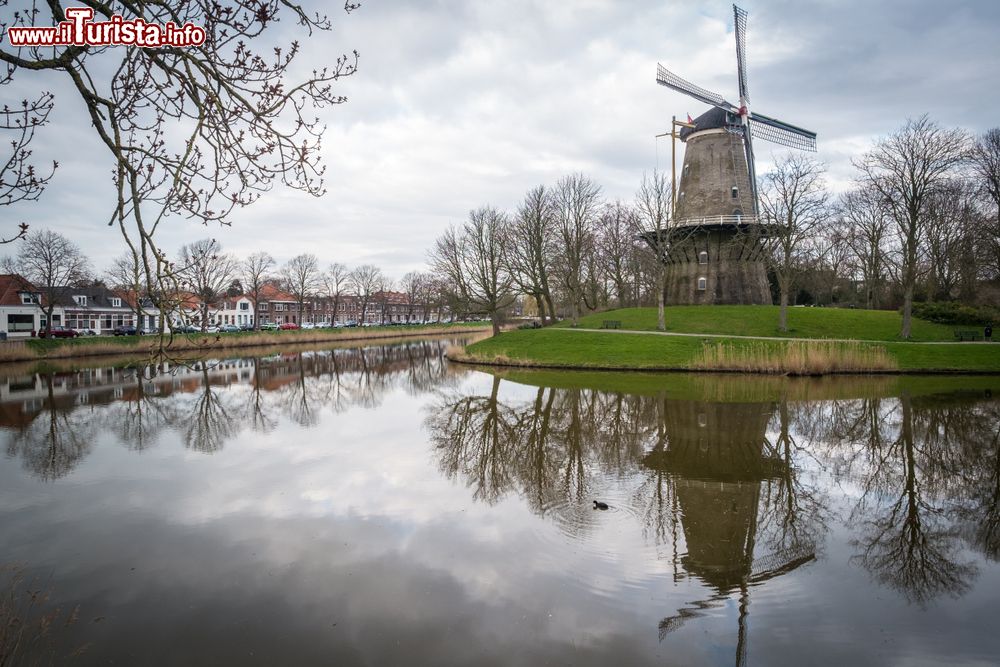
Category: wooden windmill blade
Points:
column 740, row 23
column 665, row 77
column 782, row 133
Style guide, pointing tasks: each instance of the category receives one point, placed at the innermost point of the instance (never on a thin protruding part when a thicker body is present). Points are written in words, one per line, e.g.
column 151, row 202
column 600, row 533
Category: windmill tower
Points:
column 715, row 252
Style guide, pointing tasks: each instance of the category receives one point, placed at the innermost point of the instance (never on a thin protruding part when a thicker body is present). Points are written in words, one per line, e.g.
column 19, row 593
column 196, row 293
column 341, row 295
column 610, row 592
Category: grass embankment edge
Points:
column 554, row 349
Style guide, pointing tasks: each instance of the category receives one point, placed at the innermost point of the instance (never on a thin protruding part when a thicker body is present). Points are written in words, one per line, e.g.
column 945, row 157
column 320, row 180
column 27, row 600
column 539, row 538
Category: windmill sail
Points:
column 665, row 77
column 740, row 21
column 780, row 132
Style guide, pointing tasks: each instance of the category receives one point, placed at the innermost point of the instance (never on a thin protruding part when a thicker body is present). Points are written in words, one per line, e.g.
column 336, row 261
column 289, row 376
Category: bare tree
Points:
column 530, row 248
column 653, row 203
column 866, row 228
column 20, row 180
column 51, row 261
column 335, row 282
column 412, row 285
column 951, row 261
column 195, row 131
column 474, row 260
column 365, row 281
column 905, row 169
column 254, row 273
column 986, row 163
column 793, row 202
column 207, row 273
column 617, row 250
column 302, row 277
column 127, row 275
column 577, row 201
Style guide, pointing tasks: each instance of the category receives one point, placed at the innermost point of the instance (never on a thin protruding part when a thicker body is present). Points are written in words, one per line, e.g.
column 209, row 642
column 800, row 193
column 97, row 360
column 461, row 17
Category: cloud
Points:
column 459, row 104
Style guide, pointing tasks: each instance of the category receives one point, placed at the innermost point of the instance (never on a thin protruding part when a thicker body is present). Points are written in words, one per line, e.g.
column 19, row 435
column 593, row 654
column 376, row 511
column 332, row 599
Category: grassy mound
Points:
column 763, row 321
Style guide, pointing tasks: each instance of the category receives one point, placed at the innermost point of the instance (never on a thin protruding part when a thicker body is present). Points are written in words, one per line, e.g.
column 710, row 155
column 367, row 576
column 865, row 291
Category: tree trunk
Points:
column 907, row 309
column 552, row 308
column 661, row 287
column 783, row 312
column 495, row 320
column 540, row 302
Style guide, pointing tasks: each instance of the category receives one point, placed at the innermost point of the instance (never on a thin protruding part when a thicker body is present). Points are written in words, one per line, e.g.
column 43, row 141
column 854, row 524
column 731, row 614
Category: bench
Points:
column 611, row 324
column 968, row 334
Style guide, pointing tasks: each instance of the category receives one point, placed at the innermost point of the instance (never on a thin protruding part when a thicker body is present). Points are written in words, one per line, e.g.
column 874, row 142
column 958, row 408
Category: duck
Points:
column 598, row 505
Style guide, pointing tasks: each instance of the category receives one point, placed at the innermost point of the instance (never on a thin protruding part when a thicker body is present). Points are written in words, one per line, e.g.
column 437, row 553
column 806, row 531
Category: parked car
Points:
column 85, row 332
column 212, row 329
column 58, row 332
column 269, row 326
column 246, row 327
column 308, row 325
column 229, row 328
column 290, row 325
column 187, row 328
column 125, row 330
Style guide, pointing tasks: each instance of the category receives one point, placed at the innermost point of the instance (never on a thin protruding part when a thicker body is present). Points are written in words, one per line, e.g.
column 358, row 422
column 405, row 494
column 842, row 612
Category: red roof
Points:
column 272, row 293
column 11, row 285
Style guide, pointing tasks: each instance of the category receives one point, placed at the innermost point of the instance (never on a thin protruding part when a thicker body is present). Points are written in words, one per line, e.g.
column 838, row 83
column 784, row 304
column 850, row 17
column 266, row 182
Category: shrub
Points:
column 952, row 312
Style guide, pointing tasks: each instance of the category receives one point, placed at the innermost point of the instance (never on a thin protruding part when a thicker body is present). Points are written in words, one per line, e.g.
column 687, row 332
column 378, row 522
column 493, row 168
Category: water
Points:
column 380, row 506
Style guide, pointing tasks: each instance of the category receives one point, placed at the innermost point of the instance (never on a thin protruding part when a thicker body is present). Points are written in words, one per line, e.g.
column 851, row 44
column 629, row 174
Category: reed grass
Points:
column 794, row 358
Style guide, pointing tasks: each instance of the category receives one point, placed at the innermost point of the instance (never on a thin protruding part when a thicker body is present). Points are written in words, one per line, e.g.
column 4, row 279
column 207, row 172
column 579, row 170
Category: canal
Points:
column 381, row 506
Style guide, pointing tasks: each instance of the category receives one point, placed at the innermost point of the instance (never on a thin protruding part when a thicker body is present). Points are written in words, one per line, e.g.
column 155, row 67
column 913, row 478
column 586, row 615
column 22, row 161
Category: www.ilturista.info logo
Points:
column 79, row 29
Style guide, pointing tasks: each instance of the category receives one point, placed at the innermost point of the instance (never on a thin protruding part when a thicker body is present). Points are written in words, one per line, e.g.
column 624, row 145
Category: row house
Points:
column 95, row 307
column 236, row 310
column 102, row 309
column 20, row 312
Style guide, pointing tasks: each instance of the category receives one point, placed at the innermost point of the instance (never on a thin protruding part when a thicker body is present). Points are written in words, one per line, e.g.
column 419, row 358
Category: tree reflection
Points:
column 52, row 419
column 907, row 459
column 212, row 420
column 52, row 445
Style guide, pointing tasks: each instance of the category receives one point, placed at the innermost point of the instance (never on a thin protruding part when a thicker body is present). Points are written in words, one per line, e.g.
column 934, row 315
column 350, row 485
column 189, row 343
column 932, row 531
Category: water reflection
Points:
column 734, row 489
column 295, row 495
column 928, row 470
column 52, row 419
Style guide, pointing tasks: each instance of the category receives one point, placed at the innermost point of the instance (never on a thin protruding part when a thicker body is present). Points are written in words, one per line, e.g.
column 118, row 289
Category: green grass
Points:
column 763, row 321
column 586, row 349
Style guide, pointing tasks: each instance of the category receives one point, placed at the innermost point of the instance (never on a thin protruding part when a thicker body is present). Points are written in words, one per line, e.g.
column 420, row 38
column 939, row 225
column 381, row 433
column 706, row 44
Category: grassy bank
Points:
column 71, row 348
column 551, row 348
column 881, row 325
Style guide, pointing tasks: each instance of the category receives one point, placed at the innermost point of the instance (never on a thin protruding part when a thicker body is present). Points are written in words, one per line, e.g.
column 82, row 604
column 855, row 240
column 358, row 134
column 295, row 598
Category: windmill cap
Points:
column 714, row 118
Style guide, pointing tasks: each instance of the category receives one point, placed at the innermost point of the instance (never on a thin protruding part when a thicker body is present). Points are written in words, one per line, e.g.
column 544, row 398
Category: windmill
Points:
column 717, row 204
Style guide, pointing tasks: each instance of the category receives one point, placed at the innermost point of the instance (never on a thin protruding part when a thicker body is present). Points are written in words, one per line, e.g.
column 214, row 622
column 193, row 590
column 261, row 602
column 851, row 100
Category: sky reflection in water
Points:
column 380, row 506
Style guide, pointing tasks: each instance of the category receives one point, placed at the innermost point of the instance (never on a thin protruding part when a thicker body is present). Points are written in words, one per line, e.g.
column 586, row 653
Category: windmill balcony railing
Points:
column 717, row 220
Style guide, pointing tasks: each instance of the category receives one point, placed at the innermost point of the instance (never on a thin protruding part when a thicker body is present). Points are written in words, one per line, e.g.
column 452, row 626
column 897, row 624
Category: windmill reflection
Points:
column 728, row 478
column 714, row 481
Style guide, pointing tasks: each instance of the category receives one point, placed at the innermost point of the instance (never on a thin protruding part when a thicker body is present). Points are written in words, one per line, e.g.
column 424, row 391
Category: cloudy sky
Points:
column 460, row 103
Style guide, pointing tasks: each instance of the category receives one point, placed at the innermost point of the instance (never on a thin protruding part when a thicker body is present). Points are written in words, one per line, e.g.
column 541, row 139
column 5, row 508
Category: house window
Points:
column 262, row 307
column 244, row 305
column 703, row 257
column 702, row 284
column 80, row 300
column 116, row 303
column 27, row 298
column 736, row 192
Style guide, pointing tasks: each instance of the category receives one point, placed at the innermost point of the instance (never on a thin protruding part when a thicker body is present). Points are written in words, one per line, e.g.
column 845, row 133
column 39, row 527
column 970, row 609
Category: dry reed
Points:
column 794, row 358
